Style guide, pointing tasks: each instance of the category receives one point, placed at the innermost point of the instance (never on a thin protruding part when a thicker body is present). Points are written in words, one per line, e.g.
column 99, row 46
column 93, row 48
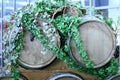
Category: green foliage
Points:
column 102, row 72
column 93, row 10
column 14, row 64
column 68, row 27
column 118, row 21
column 109, row 22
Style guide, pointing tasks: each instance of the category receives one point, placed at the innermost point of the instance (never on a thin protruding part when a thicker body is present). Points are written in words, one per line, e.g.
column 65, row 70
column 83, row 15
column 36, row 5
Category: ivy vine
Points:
column 67, row 26
column 14, row 62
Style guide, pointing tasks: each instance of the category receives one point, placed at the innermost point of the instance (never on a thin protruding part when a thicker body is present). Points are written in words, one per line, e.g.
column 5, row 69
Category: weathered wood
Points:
column 98, row 41
column 56, row 66
column 34, row 54
column 65, row 10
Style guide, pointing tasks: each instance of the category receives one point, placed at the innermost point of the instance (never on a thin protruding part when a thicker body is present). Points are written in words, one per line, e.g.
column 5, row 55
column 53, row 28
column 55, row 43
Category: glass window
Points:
column 114, row 13
column 7, row 7
column 0, row 13
column 99, row 3
column 103, row 12
column 21, row 3
column 86, row 2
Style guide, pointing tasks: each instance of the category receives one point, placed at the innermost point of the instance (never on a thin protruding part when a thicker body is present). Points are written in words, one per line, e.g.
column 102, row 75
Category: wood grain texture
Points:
column 56, row 66
column 34, row 54
column 98, row 41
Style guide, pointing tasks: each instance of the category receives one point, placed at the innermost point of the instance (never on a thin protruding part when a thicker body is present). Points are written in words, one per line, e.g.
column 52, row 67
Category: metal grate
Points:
column 6, row 8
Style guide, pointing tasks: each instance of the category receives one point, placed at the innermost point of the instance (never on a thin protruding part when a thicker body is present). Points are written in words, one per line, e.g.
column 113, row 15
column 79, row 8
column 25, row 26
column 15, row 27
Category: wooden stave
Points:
column 27, row 66
column 89, row 19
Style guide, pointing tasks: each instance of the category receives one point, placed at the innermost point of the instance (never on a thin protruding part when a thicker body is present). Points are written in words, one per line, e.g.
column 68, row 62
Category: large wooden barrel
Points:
column 9, row 78
column 34, row 54
column 65, row 76
column 98, row 41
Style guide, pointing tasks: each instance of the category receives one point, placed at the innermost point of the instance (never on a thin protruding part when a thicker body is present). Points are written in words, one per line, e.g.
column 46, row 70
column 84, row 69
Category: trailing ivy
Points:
column 14, row 64
column 67, row 26
column 110, row 68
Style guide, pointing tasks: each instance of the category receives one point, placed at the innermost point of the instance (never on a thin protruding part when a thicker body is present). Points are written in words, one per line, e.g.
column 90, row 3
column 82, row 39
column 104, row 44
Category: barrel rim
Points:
column 39, row 66
column 113, row 40
column 70, row 53
column 113, row 76
column 58, row 75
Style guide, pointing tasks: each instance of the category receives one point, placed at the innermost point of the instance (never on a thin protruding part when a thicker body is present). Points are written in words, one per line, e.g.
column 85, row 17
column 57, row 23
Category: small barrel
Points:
column 65, row 10
column 98, row 41
column 34, row 55
column 65, row 76
column 9, row 78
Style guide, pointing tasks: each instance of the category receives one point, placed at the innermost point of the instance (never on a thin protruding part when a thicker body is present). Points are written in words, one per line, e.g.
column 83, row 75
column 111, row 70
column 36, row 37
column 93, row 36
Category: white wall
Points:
column 114, row 12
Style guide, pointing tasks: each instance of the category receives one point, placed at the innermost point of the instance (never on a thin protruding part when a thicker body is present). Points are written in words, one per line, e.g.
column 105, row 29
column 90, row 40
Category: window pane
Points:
column 86, row 2
column 103, row 12
column 0, row 13
column 7, row 7
column 114, row 3
column 21, row 3
column 32, row 0
column 101, row 3
column 8, row 11
column 114, row 13
column 8, row 3
column 83, row 2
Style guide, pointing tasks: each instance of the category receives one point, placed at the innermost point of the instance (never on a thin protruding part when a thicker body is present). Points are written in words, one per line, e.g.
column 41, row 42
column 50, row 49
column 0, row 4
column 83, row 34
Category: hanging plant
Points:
column 66, row 24
column 10, row 50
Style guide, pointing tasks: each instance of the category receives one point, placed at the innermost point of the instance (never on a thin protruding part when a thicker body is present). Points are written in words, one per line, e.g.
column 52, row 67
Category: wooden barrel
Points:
column 34, row 54
column 98, row 41
column 65, row 76
column 113, row 77
column 9, row 78
column 65, row 10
